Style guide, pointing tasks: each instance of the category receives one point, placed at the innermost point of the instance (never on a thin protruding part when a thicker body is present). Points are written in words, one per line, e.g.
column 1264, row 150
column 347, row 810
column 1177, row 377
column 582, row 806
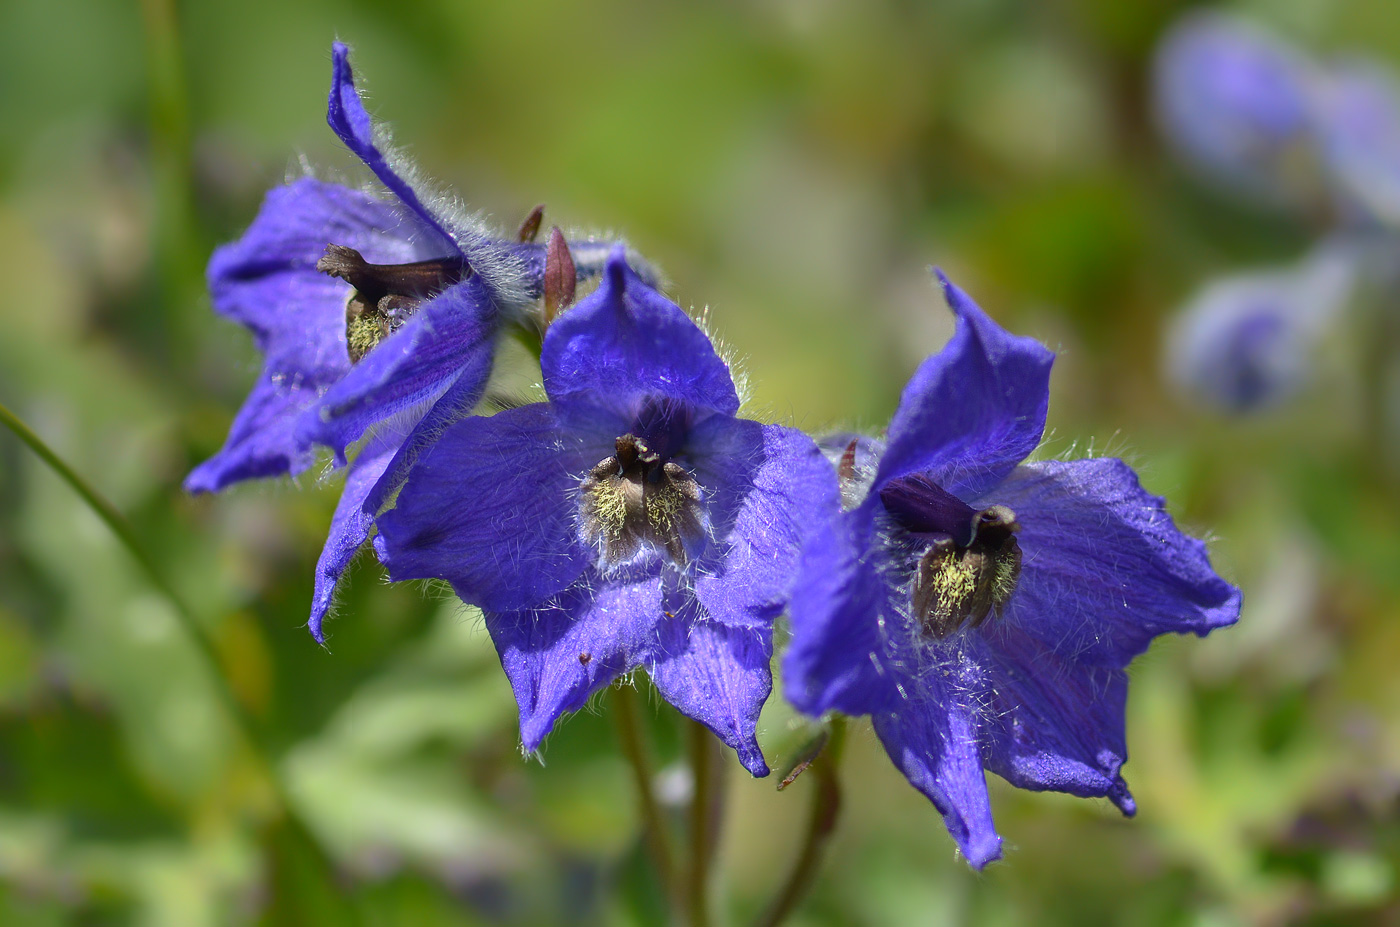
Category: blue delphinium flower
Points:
column 1237, row 102
column 980, row 609
column 377, row 318
column 630, row 521
column 1247, row 342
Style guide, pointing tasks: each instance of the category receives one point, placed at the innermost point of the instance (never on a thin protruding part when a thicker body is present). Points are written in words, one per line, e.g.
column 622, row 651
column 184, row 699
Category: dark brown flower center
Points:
column 636, row 499
column 957, row 585
column 386, row 295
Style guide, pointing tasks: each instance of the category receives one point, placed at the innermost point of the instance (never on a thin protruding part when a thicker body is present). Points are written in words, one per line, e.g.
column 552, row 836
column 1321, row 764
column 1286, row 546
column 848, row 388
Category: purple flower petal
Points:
column 492, row 509
column 934, row 744
column 626, row 344
column 1104, row 568
column 763, row 482
column 838, row 658
column 972, row 411
column 715, row 674
column 450, row 337
column 346, row 115
column 559, row 654
column 1050, row 722
column 350, row 525
column 261, row 441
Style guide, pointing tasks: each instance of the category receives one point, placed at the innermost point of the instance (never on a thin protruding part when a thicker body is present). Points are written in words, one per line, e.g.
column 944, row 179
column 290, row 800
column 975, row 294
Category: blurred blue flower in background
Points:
column 377, row 318
column 1237, row 102
column 983, row 610
column 1247, row 342
column 631, row 521
column 1359, row 127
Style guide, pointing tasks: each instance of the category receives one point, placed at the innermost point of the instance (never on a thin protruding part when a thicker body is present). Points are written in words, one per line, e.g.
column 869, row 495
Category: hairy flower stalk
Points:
column 980, row 609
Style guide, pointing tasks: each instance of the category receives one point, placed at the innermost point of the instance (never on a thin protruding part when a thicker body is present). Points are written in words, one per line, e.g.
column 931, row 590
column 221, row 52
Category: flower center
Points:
column 386, row 295
column 971, row 564
column 635, row 499
column 961, row 585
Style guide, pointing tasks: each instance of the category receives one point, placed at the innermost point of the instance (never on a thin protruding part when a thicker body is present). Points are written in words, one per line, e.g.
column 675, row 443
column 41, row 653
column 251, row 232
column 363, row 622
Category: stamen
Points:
column 634, row 499
column 386, row 295
column 957, row 585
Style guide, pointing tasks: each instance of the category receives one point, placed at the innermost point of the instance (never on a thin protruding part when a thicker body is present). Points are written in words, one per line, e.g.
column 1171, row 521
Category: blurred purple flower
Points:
column 1246, row 342
column 982, row 610
column 1358, row 120
column 630, row 521
column 376, row 316
column 1237, row 102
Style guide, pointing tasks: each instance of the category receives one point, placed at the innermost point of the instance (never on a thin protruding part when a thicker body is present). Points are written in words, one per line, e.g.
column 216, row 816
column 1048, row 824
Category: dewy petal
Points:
column 350, row 525
column 1104, row 568
column 267, row 280
column 560, row 653
column 715, row 674
column 1049, row 722
column 451, row 336
column 972, row 411
column 346, row 114
column 839, row 658
column 934, row 744
column 262, row 441
column 766, row 486
column 626, row 343
column 490, row 508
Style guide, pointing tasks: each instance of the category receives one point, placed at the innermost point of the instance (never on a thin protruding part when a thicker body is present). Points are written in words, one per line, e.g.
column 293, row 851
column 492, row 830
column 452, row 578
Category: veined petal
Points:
column 345, row 112
column 262, row 440
column 839, row 658
column 1104, row 568
column 625, row 344
column 1050, row 722
column 934, row 743
column 972, row 411
column 766, row 487
column 350, row 525
column 451, row 336
column 560, row 653
column 491, row 507
column 715, row 674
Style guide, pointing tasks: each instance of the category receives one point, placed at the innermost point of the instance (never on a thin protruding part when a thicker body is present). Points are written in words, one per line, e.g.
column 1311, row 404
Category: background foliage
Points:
column 795, row 166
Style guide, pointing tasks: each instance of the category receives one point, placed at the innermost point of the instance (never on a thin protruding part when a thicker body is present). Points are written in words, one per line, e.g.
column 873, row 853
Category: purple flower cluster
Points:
column 980, row 609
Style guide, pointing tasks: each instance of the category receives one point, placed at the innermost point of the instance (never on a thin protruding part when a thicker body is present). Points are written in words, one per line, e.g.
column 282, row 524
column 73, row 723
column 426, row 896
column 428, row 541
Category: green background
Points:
column 794, row 167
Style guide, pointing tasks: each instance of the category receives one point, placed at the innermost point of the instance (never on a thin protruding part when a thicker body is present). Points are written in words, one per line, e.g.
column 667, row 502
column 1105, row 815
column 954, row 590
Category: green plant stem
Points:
column 706, row 807
column 826, row 808
column 203, row 644
column 629, row 731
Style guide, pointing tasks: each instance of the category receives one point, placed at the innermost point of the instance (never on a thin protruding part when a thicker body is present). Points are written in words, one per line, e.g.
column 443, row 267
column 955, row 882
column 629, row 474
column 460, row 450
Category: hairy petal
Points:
column 490, row 508
column 450, row 337
column 1104, row 568
column 625, row 344
column 262, row 441
column 935, row 745
column 839, row 657
column 972, row 411
column 766, row 487
column 346, row 115
column 1049, row 722
column 350, row 525
column 715, row 674
column 558, row 654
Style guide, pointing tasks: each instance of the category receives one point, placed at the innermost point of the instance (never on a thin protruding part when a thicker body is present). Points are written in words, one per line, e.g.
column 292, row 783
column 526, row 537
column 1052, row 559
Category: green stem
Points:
column 826, row 807
column 705, row 809
column 203, row 644
column 629, row 731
